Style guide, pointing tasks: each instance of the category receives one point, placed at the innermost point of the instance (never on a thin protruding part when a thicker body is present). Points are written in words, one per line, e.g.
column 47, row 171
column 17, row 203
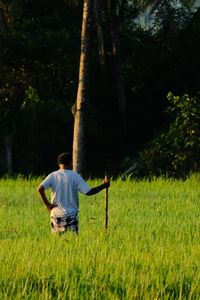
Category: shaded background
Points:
column 39, row 62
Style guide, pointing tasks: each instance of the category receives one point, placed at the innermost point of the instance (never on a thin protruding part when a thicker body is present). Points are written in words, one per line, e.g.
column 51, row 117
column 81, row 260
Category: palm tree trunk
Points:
column 79, row 108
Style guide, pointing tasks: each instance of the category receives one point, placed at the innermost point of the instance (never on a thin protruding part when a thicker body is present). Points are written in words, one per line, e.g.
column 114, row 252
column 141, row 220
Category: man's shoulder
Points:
column 53, row 173
column 74, row 175
column 66, row 172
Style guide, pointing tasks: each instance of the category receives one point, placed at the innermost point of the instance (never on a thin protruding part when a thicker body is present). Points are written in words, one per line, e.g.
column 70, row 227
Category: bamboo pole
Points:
column 106, row 208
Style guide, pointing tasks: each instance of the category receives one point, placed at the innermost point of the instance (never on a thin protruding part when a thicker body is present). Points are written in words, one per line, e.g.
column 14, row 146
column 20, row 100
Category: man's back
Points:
column 65, row 185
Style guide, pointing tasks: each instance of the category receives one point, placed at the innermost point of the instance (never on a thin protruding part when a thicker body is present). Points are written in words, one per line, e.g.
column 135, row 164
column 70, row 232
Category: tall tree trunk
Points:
column 79, row 107
column 97, row 13
column 121, row 96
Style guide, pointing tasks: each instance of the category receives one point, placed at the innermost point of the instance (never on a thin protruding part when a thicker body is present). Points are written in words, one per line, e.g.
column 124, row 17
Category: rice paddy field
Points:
column 151, row 249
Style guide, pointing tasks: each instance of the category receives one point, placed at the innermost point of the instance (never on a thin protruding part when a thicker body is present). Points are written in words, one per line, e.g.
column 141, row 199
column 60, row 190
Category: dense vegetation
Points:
column 39, row 57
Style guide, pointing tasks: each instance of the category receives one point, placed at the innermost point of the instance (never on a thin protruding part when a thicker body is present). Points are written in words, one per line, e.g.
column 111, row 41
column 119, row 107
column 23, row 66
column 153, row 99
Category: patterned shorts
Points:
column 64, row 224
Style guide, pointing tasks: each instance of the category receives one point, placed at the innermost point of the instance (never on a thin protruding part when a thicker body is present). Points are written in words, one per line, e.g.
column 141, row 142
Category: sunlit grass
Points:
column 151, row 249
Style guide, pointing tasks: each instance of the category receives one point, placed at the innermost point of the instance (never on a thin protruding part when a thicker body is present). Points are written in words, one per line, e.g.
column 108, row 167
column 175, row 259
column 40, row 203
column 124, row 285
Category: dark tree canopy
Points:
column 39, row 58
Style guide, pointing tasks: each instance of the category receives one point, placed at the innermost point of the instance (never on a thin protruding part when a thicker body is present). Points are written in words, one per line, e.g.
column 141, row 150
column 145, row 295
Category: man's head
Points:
column 65, row 159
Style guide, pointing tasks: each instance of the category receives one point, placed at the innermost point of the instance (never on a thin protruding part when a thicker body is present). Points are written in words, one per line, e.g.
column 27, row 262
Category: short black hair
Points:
column 65, row 158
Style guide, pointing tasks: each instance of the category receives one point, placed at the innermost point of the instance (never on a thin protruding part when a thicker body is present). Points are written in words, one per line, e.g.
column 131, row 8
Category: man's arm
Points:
column 99, row 188
column 41, row 191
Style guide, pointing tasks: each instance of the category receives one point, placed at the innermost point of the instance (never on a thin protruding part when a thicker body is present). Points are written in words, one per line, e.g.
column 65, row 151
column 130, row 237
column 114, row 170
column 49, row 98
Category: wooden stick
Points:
column 106, row 208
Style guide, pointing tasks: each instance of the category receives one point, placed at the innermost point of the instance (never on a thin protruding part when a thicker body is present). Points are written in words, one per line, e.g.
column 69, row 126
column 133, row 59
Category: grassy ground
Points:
column 150, row 251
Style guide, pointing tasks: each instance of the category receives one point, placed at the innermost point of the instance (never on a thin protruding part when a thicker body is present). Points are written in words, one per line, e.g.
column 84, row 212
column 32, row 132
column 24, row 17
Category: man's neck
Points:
column 64, row 167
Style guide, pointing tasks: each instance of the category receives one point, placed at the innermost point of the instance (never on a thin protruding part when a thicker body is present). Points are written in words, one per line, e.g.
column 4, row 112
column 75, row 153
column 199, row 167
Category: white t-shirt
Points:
column 65, row 185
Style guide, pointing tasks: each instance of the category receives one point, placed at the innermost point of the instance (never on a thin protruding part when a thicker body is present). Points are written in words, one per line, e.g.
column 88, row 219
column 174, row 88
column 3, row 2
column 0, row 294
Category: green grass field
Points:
column 151, row 249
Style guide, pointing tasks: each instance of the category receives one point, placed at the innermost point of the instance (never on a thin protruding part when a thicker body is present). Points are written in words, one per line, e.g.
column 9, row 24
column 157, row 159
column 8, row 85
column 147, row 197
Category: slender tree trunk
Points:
column 121, row 96
column 97, row 12
column 79, row 107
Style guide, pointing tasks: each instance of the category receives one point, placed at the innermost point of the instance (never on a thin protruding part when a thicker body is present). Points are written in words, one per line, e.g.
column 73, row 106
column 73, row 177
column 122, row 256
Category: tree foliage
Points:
column 38, row 80
column 176, row 150
column 39, row 57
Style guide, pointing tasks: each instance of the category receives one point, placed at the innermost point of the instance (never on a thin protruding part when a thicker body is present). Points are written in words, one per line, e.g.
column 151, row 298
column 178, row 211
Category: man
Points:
column 65, row 185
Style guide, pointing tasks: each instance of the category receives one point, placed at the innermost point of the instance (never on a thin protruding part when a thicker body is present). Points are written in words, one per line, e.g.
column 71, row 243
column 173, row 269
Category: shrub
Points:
column 176, row 150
